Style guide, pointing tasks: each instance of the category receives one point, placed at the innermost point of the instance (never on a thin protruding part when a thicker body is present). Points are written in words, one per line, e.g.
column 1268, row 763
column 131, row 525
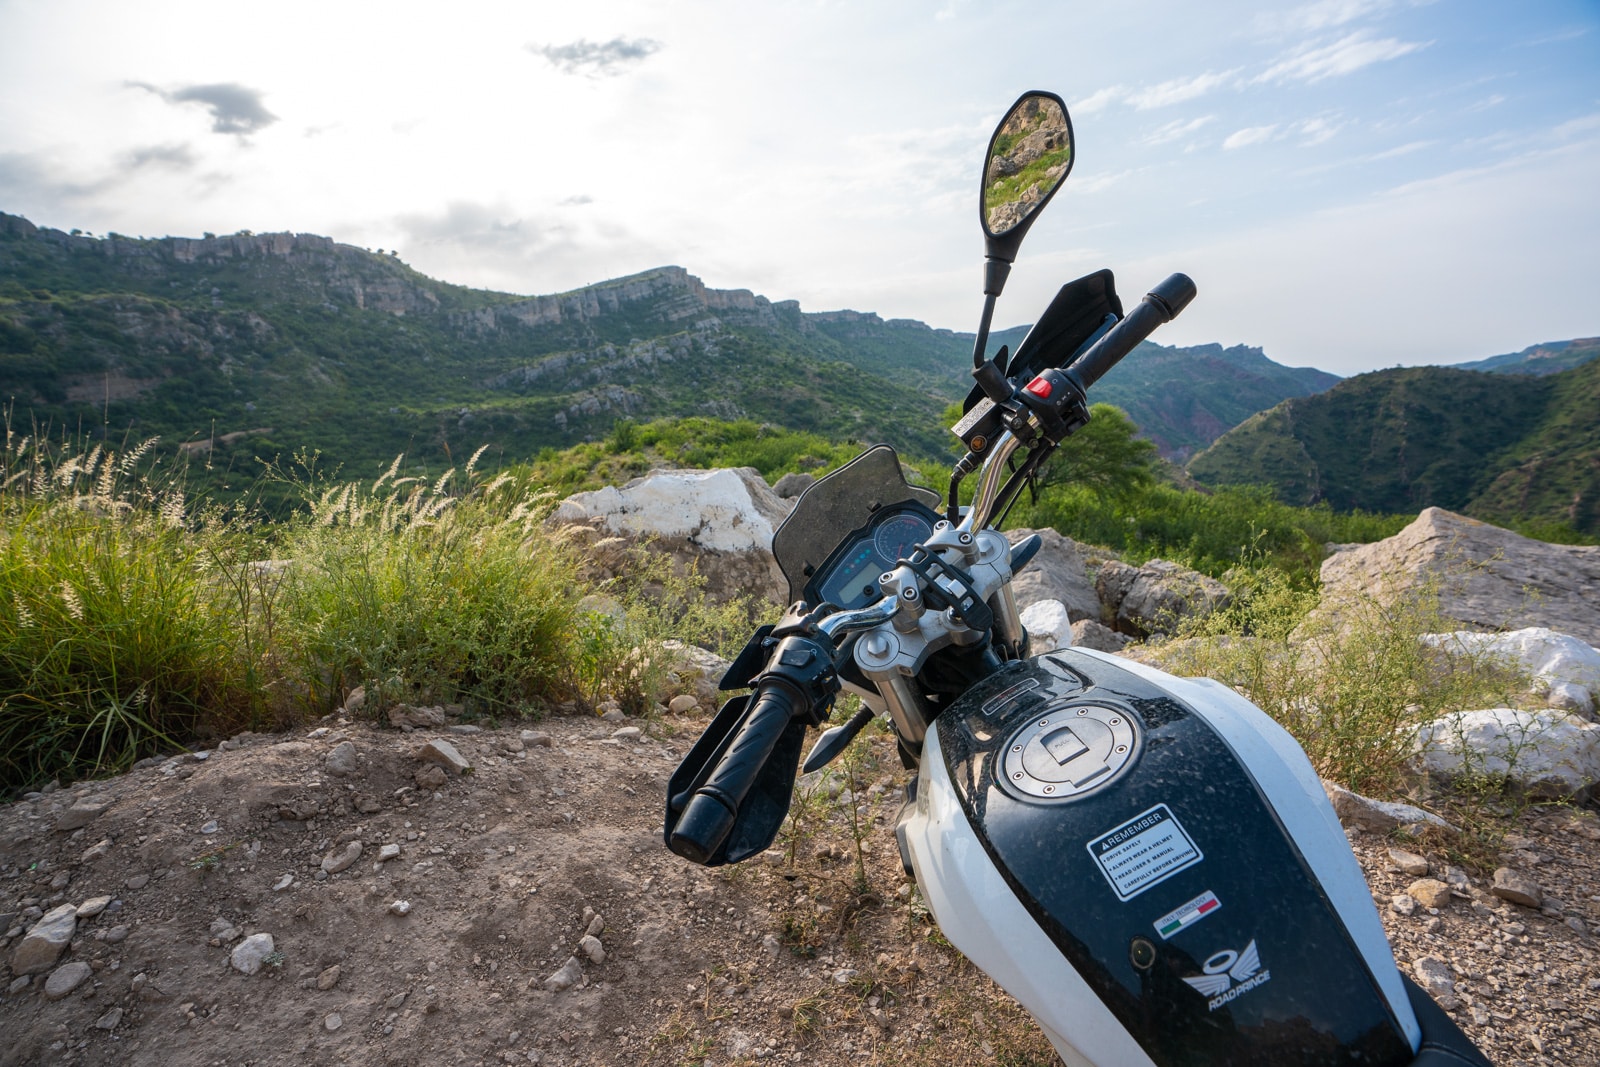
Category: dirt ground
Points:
column 794, row 957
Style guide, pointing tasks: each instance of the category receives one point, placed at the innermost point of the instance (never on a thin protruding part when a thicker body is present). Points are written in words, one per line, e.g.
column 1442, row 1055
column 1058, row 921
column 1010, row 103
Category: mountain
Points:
column 1552, row 357
column 259, row 345
column 1516, row 449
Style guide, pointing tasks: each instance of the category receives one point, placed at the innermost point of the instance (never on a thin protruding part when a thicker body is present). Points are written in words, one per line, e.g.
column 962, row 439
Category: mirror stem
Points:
column 980, row 355
column 995, row 272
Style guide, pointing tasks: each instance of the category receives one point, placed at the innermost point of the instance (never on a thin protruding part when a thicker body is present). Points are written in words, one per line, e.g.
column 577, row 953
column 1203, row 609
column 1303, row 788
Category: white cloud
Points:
column 1345, row 56
column 1180, row 89
column 1098, row 100
column 1172, row 131
column 1248, row 136
column 1315, row 131
column 1323, row 15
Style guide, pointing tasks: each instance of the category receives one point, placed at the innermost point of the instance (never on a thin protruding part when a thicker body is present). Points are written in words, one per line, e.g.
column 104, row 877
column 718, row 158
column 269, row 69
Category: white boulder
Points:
column 1548, row 753
column 1048, row 626
column 1564, row 667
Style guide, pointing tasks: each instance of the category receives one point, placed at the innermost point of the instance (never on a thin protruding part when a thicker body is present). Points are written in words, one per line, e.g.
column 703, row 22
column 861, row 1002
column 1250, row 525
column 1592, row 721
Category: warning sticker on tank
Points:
column 1144, row 851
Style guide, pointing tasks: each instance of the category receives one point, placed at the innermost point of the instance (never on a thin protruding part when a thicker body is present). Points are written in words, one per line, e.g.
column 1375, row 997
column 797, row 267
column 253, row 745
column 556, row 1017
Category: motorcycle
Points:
column 1147, row 863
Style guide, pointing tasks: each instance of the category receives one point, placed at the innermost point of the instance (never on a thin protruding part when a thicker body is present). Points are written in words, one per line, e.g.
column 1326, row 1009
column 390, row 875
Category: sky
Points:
column 1352, row 184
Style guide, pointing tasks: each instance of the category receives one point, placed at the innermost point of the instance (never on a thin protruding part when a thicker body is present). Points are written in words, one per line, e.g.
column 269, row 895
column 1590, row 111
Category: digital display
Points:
column 850, row 578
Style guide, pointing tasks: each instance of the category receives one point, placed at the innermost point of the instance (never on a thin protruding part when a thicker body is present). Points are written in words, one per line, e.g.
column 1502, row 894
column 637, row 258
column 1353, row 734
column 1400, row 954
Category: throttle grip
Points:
column 1162, row 304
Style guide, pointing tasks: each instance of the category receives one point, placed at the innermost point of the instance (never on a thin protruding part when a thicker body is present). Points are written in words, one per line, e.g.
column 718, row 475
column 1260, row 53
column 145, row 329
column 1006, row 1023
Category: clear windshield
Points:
column 837, row 504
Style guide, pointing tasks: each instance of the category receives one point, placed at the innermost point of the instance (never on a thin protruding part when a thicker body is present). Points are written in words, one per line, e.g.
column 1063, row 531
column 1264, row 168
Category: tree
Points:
column 1107, row 456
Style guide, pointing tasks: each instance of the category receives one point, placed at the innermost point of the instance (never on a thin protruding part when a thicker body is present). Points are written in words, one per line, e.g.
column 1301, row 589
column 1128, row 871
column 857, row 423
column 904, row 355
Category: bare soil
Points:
column 805, row 955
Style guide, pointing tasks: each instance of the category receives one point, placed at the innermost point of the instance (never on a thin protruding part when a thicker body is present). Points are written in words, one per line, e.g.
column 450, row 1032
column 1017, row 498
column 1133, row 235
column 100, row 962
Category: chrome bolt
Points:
column 1017, row 776
column 1116, row 722
column 1122, row 748
column 1049, row 789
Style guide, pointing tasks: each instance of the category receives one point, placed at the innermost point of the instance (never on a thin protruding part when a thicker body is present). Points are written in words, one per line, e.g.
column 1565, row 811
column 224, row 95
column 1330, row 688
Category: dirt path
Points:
column 507, row 869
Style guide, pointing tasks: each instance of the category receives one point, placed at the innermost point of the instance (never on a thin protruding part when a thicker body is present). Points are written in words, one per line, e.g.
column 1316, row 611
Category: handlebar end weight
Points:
column 703, row 827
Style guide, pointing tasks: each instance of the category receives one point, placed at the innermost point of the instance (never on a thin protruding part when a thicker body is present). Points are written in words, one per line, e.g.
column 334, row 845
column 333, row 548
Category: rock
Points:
column 45, row 940
column 430, row 777
column 1516, row 887
column 342, row 761
column 771, row 946
column 223, row 930
column 628, row 733
column 396, row 1002
column 332, row 1021
column 464, row 728
column 1088, row 633
column 283, row 883
column 80, row 815
column 1047, row 625
column 337, row 861
column 1376, row 816
column 1561, row 665
column 537, row 739
column 210, row 828
column 1429, row 892
column 66, row 978
column 1155, row 597
column 328, row 978
column 445, row 755
column 1490, row 578
column 1407, row 862
column 1403, row 904
column 1547, row 753
column 367, row 804
column 400, row 907
column 719, row 522
column 116, row 935
column 1056, row 573
column 611, row 711
column 96, row 851
column 597, row 925
column 1434, row 975
column 683, row 704
column 355, row 701
column 92, row 907
column 138, row 881
column 592, row 948
column 693, row 671
column 566, row 977
column 388, row 852
column 249, row 954
column 414, row 717
column 109, row 1020
column 791, row 485
column 17, row 985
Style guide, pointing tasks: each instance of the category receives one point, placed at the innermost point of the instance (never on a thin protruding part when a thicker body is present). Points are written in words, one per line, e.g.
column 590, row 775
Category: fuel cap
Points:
column 1071, row 751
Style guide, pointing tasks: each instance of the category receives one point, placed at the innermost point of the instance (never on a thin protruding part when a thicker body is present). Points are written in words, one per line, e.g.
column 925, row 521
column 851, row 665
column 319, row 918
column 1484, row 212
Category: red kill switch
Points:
column 1040, row 388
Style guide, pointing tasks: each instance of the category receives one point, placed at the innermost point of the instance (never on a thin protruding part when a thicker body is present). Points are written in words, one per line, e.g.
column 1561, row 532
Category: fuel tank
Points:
column 1150, row 865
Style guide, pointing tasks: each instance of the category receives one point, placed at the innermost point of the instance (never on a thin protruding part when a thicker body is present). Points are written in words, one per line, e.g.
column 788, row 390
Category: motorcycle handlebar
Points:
column 1162, row 304
column 710, row 815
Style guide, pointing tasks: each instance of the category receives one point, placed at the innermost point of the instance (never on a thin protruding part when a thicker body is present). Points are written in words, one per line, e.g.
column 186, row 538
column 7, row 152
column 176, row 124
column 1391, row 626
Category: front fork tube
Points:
column 1009, row 635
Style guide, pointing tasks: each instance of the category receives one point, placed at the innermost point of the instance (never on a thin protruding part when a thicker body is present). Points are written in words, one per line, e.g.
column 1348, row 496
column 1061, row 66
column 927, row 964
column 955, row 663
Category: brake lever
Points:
column 834, row 741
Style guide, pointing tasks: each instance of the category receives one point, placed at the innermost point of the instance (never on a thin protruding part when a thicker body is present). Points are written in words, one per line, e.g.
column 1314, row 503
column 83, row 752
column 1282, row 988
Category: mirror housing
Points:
column 1030, row 154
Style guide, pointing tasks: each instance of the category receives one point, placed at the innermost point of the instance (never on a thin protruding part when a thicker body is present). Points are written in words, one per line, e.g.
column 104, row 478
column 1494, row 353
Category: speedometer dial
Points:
column 895, row 539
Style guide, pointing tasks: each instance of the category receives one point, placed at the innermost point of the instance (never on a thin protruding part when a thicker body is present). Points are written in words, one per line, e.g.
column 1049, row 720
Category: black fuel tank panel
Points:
column 1160, row 871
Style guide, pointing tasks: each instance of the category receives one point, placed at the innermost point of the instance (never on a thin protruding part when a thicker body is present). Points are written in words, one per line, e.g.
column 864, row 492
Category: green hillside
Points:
column 1551, row 357
column 246, row 347
column 1521, row 450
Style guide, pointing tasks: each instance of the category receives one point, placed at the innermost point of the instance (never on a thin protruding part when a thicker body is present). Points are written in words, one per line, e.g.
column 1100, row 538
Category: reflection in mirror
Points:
column 1030, row 154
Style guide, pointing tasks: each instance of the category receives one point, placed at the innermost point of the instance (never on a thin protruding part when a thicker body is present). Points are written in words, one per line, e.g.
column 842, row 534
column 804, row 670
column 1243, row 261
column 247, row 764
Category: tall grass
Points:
column 115, row 636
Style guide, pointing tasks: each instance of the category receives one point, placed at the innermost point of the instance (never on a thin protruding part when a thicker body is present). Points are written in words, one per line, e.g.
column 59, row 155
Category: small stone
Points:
column 109, row 1020
column 771, row 946
column 566, row 977
column 332, row 1021
column 17, row 985
column 328, row 978
column 224, row 931
column 367, row 804
column 610, row 711
column 1408, row 862
column 319, row 733
column 682, row 704
column 1429, row 892
column 209, row 828
column 537, row 739
column 356, row 700
column 283, row 883
column 400, row 907
column 466, row 728
column 65, row 979
column 1576, row 924
column 1516, row 887
column 445, row 755
column 138, row 881
column 1457, row 878
column 45, row 940
column 92, row 907
column 249, row 954
column 395, row 1002
column 1434, row 975
column 430, row 777
column 342, row 761
column 95, row 851
column 336, row 862
column 628, row 733
column 592, row 948
column 597, row 925
column 80, row 815
column 388, row 852
column 1403, row 904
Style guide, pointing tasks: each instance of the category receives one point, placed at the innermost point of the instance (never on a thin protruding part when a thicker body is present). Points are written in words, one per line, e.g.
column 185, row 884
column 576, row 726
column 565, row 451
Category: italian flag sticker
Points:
column 1189, row 914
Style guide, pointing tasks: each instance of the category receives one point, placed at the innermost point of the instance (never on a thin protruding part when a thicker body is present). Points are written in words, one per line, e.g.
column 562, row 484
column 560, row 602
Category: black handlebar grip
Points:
column 709, row 816
column 1160, row 305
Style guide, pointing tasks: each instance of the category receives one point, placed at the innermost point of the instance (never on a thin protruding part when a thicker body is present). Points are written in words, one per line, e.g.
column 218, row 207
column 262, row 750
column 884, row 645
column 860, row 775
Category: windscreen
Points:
column 837, row 504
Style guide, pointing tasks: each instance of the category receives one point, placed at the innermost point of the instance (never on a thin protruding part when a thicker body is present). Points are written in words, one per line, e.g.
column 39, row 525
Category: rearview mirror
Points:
column 1029, row 156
